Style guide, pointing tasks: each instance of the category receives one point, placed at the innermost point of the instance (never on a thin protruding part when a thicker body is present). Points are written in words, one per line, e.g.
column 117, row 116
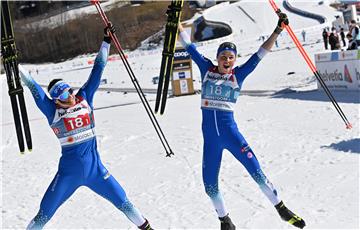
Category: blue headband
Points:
column 226, row 48
column 58, row 89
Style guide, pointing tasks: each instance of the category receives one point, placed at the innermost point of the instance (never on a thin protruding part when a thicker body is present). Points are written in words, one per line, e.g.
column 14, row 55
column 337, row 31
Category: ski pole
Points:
column 135, row 82
column 312, row 67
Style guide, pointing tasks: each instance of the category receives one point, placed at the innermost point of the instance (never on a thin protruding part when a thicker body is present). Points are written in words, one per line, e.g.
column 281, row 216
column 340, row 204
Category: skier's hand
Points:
column 180, row 27
column 110, row 28
column 283, row 20
column 107, row 30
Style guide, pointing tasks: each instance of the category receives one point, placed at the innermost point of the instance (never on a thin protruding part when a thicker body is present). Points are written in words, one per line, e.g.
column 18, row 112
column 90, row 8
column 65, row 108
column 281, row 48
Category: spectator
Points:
column 342, row 35
column 325, row 36
column 334, row 40
column 352, row 42
column 303, row 33
column 354, row 30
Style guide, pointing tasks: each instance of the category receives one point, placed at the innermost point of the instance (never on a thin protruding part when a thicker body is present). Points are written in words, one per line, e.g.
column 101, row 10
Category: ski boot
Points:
column 226, row 223
column 146, row 226
column 289, row 216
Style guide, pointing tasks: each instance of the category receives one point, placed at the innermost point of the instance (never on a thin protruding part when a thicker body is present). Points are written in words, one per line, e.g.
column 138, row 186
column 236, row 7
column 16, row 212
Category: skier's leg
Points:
column 103, row 183
column 111, row 190
column 60, row 189
column 212, row 155
column 238, row 146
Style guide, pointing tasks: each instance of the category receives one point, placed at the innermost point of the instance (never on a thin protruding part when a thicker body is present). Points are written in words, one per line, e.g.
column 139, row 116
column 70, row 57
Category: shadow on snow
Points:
column 352, row 146
column 319, row 95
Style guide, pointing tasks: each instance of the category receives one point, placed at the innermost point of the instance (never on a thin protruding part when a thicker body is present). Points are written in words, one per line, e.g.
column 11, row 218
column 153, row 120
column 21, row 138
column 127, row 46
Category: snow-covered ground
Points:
column 298, row 137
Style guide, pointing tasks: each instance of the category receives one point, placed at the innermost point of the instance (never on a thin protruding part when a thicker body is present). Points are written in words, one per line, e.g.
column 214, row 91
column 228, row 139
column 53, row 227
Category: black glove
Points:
column 107, row 30
column 282, row 19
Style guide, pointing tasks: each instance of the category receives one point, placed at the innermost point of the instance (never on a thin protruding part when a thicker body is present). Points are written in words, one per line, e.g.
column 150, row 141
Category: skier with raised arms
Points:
column 71, row 117
column 221, row 86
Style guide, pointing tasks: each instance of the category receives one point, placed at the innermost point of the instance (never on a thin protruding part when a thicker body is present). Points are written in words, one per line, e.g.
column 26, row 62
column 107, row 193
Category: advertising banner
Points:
column 184, row 74
column 184, row 89
column 181, row 54
column 339, row 70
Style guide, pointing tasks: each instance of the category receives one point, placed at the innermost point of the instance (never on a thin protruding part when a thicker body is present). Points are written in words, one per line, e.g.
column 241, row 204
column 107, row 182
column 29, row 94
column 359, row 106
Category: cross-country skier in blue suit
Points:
column 221, row 86
column 71, row 117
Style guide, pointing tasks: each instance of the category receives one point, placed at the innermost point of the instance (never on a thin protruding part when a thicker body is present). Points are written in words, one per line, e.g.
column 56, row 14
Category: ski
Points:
column 10, row 62
column 171, row 30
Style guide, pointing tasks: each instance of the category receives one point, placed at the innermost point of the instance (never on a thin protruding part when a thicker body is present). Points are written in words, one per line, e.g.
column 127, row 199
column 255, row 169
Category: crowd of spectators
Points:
column 335, row 37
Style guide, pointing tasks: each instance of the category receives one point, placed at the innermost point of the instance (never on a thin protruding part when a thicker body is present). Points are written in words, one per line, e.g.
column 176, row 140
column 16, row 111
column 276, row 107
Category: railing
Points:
column 321, row 19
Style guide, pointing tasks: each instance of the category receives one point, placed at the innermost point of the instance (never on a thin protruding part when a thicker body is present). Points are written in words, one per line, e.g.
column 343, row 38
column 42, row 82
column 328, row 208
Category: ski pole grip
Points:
column 278, row 11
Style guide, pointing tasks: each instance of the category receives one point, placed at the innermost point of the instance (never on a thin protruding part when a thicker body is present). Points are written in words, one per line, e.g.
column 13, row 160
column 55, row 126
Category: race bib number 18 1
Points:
column 77, row 122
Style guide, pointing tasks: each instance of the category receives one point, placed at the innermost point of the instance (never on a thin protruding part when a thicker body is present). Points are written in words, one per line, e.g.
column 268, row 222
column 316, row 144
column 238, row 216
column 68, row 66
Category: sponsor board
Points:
column 341, row 71
column 182, row 83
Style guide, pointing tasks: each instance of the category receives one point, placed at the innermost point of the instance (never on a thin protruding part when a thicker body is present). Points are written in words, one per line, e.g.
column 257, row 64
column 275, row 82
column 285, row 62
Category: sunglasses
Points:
column 65, row 95
column 228, row 45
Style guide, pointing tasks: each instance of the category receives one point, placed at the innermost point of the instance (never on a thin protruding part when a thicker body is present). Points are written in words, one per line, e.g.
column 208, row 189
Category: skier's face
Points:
column 226, row 61
column 66, row 99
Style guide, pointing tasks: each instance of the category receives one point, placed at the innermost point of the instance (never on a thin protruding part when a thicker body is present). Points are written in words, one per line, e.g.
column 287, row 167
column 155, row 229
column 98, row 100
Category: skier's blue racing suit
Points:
column 80, row 164
column 218, row 96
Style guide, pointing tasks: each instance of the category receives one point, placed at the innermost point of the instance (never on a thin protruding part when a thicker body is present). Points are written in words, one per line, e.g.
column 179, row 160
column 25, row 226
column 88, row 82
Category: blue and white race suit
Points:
column 80, row 163
column 218, row 97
